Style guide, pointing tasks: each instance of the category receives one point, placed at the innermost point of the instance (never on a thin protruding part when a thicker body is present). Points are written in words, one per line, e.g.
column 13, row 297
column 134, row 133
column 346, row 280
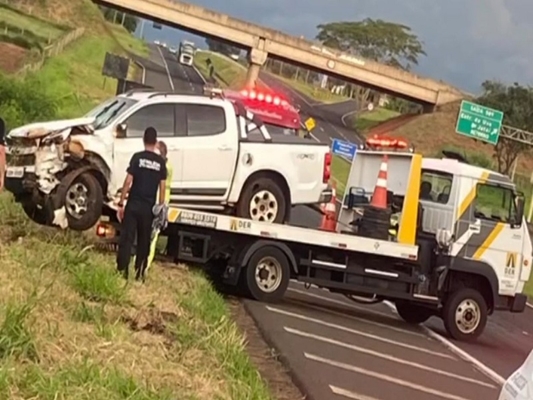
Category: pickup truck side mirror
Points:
column 516, row 219
column 122, row 129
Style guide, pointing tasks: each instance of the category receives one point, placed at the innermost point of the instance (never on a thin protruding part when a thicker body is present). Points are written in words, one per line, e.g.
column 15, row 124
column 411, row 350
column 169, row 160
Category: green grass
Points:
column 74, row 77
column 314, row 92
column 71, row 329
column 229, row 73
column 38, row 27
column 370, row 119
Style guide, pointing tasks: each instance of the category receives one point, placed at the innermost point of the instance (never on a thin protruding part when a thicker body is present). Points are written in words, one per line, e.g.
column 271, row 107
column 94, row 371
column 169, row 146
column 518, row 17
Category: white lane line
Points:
column 529, row 305
column 349, row 394
column 387, row 357
column 366, row 321
column 383, row 377
column 343, row 303
column 166, row 67
column 198, row 73
column 484, row 369
column 357, row 332
column 345, row 115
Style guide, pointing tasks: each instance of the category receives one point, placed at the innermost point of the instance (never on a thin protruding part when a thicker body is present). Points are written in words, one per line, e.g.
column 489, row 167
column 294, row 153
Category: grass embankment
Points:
column 312, row 91
column 71, row 329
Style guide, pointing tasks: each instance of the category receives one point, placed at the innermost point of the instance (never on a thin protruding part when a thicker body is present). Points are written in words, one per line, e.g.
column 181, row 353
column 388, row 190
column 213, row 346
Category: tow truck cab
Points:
column 467, row 222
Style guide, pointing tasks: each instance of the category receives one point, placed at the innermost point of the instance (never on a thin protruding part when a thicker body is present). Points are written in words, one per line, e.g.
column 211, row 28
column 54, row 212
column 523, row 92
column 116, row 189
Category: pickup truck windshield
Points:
column 108, row 111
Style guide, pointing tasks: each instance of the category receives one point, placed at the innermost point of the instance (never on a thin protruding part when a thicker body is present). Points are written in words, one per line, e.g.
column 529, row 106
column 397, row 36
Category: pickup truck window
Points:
column 108, row 111
column 494, row 203
column 159, row 116
column 205, row 120
column 435, row 186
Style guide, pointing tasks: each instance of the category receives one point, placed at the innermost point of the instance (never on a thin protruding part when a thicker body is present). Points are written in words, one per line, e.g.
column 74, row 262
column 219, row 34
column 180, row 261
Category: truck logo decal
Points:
column 304, row 156
column 236, row 225
column 510, row 264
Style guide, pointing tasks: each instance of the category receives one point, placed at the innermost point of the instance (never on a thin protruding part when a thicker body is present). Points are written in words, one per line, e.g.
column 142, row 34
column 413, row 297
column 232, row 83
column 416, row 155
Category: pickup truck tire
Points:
column 412, row 313
column 83, row 201
column 263, row 200
column 267, row 274
column 465, row 314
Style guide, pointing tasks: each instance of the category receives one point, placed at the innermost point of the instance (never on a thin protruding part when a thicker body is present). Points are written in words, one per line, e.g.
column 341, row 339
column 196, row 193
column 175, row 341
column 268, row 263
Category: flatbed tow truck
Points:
column 451, row 241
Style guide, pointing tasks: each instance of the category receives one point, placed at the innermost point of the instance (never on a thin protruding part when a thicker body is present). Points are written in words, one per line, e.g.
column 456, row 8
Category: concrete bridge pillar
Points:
column 257, row 58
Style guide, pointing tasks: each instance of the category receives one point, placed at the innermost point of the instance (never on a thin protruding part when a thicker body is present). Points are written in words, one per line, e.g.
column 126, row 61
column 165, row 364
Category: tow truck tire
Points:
column 267, row 274
column 412, row 313
column 262, row 189
column 465, row 314
column 94, row 199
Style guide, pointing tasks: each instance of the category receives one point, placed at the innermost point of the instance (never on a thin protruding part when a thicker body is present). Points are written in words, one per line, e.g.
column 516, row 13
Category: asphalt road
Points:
column 337, row 349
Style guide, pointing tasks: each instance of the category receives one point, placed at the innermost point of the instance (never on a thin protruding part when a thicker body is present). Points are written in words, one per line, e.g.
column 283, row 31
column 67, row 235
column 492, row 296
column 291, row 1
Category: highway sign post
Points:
column 344, row 149
column 479, row 122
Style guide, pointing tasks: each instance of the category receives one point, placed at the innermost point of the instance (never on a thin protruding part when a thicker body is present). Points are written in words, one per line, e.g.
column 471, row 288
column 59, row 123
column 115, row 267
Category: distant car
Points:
column 519, row 386
column 235, row 57
column 157, row 42
column 173, row 50
column 164, row 45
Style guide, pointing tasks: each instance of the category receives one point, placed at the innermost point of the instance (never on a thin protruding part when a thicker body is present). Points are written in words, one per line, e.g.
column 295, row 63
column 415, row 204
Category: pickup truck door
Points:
column 160, row 116
column 210, row 151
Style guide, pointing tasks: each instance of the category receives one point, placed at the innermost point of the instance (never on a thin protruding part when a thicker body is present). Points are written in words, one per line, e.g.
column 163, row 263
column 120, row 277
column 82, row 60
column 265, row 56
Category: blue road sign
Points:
column 343, row 149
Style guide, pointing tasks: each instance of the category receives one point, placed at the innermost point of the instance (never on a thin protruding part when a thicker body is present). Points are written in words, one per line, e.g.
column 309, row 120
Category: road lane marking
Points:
column 344, row 303
column 166, row 68
column 349, row 394
column 383, row 377
column 387, row 357
column 345, row 115
column 359, row 319
column 484, row 369
column 357, row 332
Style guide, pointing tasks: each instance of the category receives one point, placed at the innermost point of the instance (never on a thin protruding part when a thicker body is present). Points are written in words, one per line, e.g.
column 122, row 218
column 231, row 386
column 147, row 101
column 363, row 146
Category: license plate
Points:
column 15, row 172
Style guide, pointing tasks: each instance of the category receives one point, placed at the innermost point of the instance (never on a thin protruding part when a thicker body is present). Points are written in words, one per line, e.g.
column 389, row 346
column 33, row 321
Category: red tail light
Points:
column 327, row 168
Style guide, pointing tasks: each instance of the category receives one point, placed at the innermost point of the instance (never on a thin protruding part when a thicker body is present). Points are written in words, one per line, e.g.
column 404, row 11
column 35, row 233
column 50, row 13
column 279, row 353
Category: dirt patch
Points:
column 264, row 357
column 12, row 57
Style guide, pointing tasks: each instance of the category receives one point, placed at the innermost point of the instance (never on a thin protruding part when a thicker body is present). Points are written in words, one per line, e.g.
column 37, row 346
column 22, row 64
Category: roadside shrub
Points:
column 24, row 100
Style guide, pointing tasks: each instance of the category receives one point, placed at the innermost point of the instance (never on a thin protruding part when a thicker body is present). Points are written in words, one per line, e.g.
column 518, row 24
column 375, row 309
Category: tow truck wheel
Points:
column 412, row 313
column 267, row 274
column 465, row 314
column 83, row 202
column 263, row 200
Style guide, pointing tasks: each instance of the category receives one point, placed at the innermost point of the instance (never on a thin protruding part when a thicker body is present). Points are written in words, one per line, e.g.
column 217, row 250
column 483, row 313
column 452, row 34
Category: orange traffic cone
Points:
column 379, row 198
column 329, row 211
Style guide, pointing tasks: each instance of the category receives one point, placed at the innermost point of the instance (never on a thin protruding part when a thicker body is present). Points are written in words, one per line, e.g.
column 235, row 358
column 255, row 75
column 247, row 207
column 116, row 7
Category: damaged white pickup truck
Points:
column 68, row 173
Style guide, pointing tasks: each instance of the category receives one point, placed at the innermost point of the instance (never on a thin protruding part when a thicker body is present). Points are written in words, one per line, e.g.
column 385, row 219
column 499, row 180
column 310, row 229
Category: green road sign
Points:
column 479, row 122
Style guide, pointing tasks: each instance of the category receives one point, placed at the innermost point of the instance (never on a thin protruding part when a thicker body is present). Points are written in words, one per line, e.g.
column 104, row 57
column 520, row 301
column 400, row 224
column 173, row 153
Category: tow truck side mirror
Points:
column 516, row 220
column 121, row 130
column 356, row 196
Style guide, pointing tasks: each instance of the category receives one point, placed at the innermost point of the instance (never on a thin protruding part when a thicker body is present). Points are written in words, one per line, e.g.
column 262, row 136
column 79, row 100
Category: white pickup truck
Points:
column 67, row 173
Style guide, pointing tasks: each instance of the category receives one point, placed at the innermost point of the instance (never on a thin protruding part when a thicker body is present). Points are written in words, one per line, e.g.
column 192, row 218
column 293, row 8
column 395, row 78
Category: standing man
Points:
column 2, row 153
column 146, row 175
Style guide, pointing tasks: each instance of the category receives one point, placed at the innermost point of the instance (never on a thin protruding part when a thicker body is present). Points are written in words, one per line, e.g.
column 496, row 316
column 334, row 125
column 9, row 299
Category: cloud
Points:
column 467, row 41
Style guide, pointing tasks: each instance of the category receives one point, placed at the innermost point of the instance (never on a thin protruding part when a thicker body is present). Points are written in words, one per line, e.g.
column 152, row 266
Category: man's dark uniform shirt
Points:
column 148, row 170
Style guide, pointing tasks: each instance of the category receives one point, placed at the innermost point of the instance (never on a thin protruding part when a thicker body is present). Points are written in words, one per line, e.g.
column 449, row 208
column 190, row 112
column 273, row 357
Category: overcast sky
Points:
column 467, row 41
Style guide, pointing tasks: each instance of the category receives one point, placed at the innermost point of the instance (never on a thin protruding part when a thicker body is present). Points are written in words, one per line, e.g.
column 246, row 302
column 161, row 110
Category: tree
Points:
column 385, row 42
column 516, row 102
column 221, row 47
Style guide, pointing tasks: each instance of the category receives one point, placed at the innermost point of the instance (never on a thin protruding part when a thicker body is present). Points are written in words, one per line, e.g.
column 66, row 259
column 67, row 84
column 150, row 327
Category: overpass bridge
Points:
column 263, row 42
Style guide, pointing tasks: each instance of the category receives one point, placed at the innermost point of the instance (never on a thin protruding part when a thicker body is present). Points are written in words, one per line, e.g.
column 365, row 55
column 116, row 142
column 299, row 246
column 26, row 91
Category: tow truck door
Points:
column 210, row 150
column 485, row 234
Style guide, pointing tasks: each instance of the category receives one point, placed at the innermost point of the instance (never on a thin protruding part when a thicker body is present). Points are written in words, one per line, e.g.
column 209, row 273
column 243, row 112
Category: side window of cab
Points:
column 495, row 203
column 159, row 116
column 436, row 186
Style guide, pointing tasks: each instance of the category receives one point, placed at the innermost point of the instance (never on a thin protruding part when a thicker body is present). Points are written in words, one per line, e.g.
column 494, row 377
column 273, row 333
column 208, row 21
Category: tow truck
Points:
column 450, row 240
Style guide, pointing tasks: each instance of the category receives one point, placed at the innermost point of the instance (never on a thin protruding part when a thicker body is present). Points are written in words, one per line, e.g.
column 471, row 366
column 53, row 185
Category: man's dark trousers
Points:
column 138, row 217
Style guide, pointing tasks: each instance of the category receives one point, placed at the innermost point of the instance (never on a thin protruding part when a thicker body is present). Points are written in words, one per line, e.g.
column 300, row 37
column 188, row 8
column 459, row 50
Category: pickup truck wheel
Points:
column 83, row 202
column 412, row 313
column 465, row 314
column 263, row 200
column 267, row 274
